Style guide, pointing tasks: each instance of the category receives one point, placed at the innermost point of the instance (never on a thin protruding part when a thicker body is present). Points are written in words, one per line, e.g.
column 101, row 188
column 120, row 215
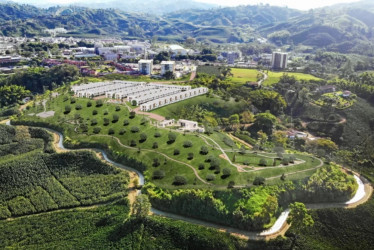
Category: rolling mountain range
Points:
column 343, row 28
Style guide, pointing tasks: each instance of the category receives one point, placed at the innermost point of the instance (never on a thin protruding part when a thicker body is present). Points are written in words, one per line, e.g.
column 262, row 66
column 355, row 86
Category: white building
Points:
column 177, row 50
column 145, row 67
column 279, row 60
column 189, row 125
column 167, row 66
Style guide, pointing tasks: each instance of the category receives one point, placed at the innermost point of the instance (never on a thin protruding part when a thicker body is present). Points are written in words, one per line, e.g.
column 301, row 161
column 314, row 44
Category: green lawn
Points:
column 74, row 135
column 273, row 77
column 241, row 76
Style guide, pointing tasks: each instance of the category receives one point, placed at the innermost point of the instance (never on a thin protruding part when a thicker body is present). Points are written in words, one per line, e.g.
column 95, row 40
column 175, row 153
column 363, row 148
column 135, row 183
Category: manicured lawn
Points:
column 273, row 77
column 241, row 76
column 337, row 100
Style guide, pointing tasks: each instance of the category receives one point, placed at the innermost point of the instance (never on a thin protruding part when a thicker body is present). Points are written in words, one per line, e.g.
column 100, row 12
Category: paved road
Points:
column 279, row 227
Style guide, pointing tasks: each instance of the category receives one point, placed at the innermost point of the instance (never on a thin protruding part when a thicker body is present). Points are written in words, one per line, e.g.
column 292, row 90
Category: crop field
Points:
column 241, row 76
column 34, row 181
column 274, row 77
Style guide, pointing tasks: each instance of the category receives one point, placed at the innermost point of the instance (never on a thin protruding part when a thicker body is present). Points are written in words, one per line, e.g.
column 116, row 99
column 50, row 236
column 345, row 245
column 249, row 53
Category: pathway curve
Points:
column 364, row 192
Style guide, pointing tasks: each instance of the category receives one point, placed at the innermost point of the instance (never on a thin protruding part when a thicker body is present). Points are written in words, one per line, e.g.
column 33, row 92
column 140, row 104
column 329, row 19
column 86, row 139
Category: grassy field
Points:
column 212, row 104
column 241, row 76
column 273, row 77
column 336, row 99
column 79, row 125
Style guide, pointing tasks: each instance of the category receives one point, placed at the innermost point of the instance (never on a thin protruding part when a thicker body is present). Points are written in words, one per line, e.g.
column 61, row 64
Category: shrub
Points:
column 143, row 121
column 67, row 109
column 246, row 162
column 259, row 181
column 132, row 143
column 143, row 137
column 283, row 177
column 226, row 172
column 187, row 144
column 204, row 150
column 94, row 112
column 231, row 184
column 262, row 162
column 209, row 158
column 156, row 162
column 242, row 150
column 99, row 103
column 72, row 100
column 285, row 161
column 217, row 170
column 132, row 114
column 118, row 108
column 172, row 137
column 89, row 104
column 214, row 163
column 176, row 152
column 126, row 122
column 93, row 122
column 77, row 116
column 78, row 107
column 65, row 98
column 201, row 166
column 115, row 118
column 106, row 121
column 158, row 174
column 292, row 159
column 157, row 135
column 180, row 180
column 134, row 103
column 190, row 156
column 96, row 130
column 155, row 145
column 135, row 129
column 111, row 131
column 106, row 112
column 210, row 177
column 122, row 131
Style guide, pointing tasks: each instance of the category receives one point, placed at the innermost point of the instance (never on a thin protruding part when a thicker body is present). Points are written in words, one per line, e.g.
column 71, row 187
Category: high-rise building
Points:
column 279, row 60
column 167, row 66
column 145, row 67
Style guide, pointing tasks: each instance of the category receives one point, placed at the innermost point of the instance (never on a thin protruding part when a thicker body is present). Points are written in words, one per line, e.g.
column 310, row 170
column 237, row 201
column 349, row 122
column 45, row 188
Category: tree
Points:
column 89, row 104
column 210, row 177
column 299, row 218
column 265, row 122
column 259, row 181
column 99, row 103
column 262, row 162
column 96, row 130
column 158, row 174
column 283, row 177
column 111, row 131
column 93, row 122
column 226, row 172
column 126, row 122
column 141, row 206
column 118, row 108
column 204, row 150
column 157, row 135
column 187, row 144
column 106, row 121
column 135, row 129
column 172, row 137
column 180, row 180
column 143, row 137
column 122, row 131
column 132, row 143
column 190, row 156
column 132, row 115
column 115, row 118
column 234, row 120
column 155, row 145
column 94, row 112
column 201, row 166
column 176, row 151
column 67, row 109
column 12, row 94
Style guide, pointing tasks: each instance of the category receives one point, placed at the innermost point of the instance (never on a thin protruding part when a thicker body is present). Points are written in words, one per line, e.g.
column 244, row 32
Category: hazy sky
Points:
column 296, row 4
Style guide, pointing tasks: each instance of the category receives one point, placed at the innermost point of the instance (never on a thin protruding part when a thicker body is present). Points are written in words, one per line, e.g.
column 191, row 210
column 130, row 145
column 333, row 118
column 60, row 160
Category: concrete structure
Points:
column 189, row 125
column 157, row 103
column 166, row 123
column 177, row 50
column 145, row 67
column 279, row 60
column 167, row 66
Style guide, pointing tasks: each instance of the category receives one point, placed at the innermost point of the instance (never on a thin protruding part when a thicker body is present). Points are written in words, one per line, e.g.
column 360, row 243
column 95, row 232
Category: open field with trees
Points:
column 274, row 77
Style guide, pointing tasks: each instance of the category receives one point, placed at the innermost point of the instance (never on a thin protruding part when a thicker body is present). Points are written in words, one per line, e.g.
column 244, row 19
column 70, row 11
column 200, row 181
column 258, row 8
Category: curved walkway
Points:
column 364, row 192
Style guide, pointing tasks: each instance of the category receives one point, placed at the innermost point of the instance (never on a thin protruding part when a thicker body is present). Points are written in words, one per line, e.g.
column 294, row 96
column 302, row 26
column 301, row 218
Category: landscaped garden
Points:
column 338, row 99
